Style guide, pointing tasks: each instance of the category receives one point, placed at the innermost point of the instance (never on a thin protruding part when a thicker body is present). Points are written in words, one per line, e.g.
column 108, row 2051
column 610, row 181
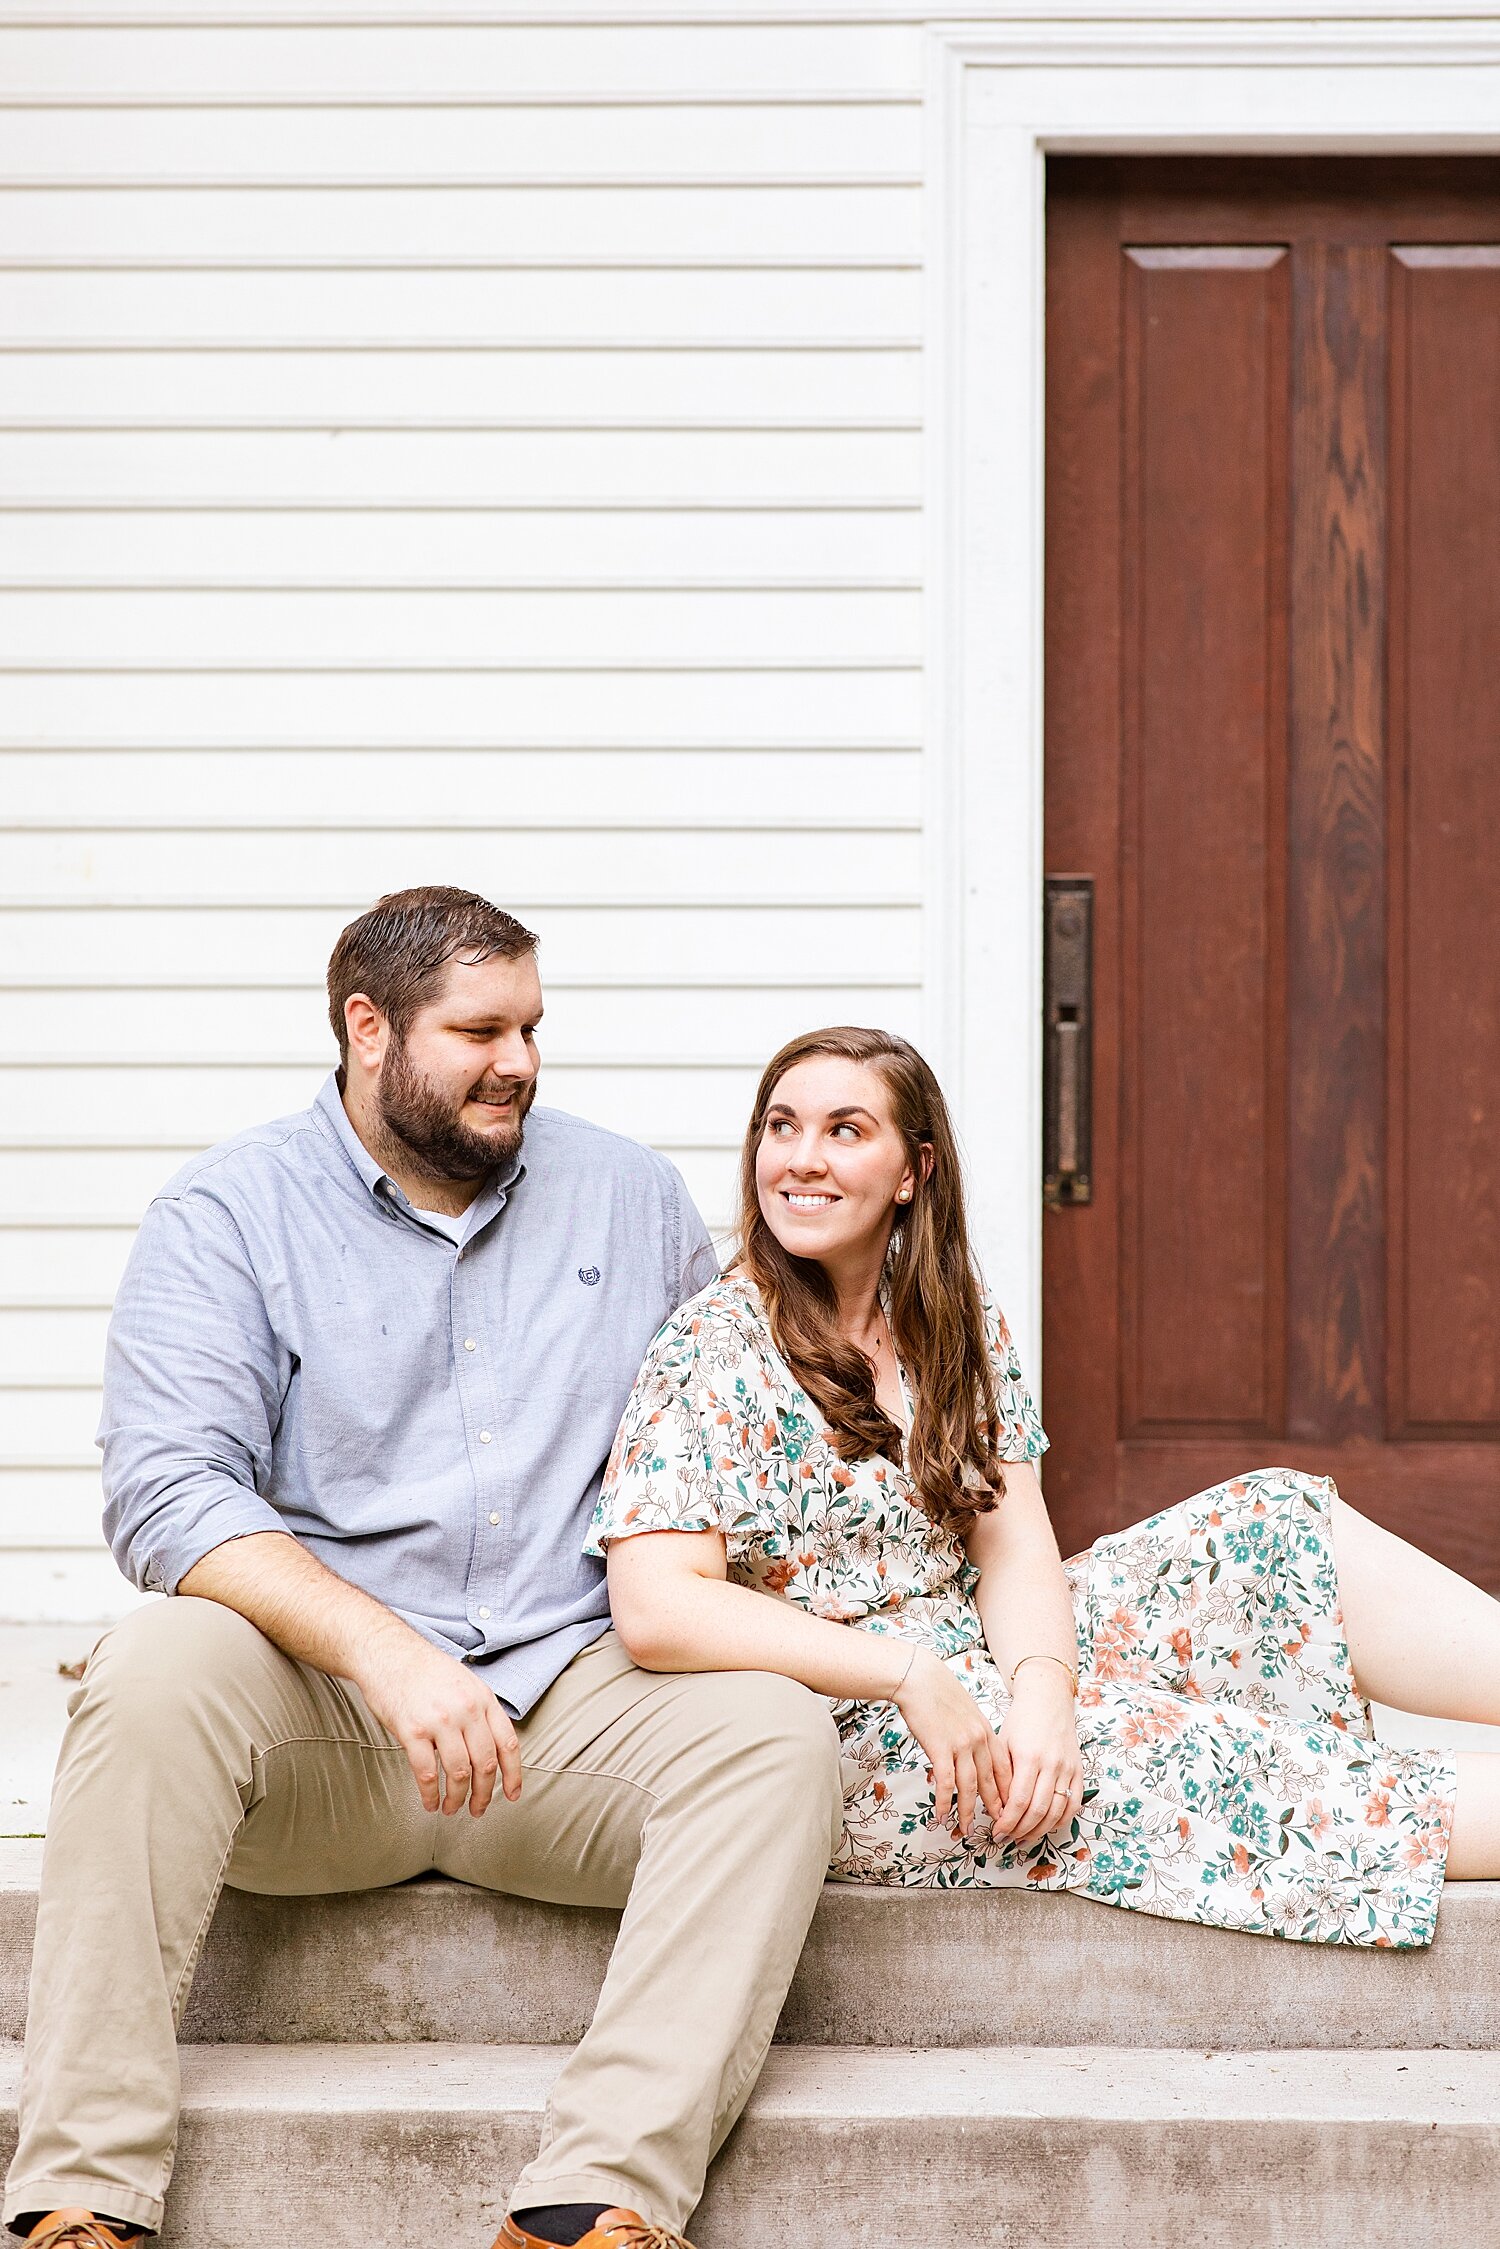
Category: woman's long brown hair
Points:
column 932, row 1292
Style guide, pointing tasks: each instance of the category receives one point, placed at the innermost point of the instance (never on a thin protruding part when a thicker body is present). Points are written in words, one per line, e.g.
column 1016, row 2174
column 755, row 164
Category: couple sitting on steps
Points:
column 439, row 1606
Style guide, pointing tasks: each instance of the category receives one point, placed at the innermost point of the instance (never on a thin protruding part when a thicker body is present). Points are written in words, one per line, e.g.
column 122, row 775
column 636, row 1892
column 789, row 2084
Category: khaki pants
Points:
column 198, row 1754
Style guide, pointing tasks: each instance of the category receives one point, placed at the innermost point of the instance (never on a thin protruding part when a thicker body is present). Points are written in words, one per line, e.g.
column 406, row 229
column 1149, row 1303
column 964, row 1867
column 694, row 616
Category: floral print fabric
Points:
column 1231, row 1772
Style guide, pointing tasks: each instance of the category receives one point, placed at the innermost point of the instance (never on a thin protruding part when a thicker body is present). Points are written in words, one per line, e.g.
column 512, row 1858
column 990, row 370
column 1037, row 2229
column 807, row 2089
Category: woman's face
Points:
column 831, row 1169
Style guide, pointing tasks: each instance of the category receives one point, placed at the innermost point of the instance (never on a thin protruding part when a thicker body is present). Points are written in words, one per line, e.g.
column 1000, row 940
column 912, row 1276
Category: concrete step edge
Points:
column 361, row 2147
column 436, row 1961
column 865, row 2084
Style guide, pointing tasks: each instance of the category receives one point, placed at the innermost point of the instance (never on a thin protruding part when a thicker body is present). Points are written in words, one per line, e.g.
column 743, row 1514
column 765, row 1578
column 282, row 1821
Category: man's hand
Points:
column 450, row 1724
column 454, row 1730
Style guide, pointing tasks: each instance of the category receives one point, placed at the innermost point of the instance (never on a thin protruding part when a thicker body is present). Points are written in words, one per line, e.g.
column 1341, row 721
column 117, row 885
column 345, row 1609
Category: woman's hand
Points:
column 1036, row 1756
column 957, row 1739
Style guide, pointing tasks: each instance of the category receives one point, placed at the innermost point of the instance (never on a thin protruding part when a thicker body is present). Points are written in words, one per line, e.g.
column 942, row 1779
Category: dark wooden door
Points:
column 1273, row 739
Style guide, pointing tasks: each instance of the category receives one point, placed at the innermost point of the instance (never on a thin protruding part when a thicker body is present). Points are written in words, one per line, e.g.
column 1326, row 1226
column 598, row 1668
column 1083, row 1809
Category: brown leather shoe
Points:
column 79, row 2229
column 613, row 2229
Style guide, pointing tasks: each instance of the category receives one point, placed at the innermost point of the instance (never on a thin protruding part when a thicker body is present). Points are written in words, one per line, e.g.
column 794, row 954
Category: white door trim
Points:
column 999, row 98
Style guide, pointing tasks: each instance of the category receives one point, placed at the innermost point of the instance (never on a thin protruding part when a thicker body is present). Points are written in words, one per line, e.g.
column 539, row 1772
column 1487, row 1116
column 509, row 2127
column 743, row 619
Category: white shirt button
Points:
column 484, row 1612
column 470, row 1344
column 494, row 1518
column 484, row 1436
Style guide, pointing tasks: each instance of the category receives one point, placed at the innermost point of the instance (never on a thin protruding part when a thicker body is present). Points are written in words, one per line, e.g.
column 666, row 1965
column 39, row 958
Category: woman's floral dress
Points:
column 1231, row 1772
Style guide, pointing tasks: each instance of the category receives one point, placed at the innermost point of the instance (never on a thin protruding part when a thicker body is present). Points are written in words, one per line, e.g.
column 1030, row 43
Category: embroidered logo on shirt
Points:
column 589, row 1275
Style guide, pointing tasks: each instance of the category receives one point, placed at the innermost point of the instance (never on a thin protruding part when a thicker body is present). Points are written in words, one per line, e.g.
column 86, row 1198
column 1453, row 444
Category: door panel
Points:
column 1273, row 738
column 1204, row 704
column 1445, row 802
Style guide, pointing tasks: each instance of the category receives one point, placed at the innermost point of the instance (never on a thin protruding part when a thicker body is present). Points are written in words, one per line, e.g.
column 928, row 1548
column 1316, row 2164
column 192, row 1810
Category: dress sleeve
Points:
column 1022, row 1436
column 691, row 1450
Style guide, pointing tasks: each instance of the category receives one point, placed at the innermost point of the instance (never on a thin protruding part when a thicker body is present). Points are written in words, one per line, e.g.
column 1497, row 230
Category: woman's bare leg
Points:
column 1422, row 1638
column 1474, row 1846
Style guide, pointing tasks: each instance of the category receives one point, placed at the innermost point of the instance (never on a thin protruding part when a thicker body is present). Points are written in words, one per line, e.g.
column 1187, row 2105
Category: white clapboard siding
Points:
column 502, row 305
column 283, row 866
column 372, row 381
column 48, row 1257
column 825, row 700
column 54, row 1335
column 41, row 1421
column 469, row 461
column 716, row 783
column 148, row 56
column 824, row 939
column 742, row 139
column 463, row 219
column 728, row 546
column 41, row 1508
column 427, row 626
column 485, row 451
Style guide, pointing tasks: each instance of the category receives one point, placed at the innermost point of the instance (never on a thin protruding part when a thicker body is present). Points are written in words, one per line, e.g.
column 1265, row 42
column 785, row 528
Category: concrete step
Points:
column 434, row 1960
column 1074, row 2146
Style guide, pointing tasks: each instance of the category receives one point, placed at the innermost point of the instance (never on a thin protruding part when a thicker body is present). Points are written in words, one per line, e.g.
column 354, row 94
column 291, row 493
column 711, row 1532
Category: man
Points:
column 364, row 1370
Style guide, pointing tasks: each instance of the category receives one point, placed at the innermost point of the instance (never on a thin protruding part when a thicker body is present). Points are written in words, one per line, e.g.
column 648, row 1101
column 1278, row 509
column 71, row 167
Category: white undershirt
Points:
column 453, row 1224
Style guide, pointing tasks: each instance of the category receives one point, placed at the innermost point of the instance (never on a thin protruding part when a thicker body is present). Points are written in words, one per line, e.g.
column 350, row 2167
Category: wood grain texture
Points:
column 1336, row 847
column 1352, row 793
column 1203, row 735
column 1445, row 797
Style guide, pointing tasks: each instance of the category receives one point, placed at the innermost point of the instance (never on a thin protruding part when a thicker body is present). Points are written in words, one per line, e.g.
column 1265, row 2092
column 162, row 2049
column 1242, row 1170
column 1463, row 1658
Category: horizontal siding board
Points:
column 409, row 544
column 609, row 1022
column 207, row 1103
column 698, row 783
column 334, row 142
column 429, row 306
column 390, row 222
column 541, row 706
column 433, row 383
column 69, row 1525
column 588, row 863
column 857, row 940
column 46, row 1423
column 63, row 1261
column 430, row 464
column 41, row 1344
column 416, row 57
column 445, row 627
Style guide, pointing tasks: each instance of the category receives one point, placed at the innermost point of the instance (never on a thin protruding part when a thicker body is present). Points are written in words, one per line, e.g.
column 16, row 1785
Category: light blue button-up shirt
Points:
column 294, row 1348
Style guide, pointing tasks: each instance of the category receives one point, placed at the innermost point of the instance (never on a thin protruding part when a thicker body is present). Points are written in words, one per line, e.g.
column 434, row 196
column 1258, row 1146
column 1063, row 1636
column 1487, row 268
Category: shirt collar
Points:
column 329, row 1106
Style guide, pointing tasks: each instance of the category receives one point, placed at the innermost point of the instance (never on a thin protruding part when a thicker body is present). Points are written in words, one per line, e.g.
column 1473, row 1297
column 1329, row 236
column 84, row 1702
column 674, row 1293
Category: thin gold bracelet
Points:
column 1042, row 1657
column 906, row 1674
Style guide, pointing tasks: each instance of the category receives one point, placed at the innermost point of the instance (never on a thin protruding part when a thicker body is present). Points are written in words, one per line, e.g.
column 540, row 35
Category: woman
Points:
column 1176, row 1721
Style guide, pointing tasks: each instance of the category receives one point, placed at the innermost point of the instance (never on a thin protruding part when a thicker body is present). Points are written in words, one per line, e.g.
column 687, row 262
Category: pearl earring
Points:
column 903, row 1194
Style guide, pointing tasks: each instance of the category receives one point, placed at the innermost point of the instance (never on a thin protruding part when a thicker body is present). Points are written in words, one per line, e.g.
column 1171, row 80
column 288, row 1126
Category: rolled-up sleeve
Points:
column 194, row 1380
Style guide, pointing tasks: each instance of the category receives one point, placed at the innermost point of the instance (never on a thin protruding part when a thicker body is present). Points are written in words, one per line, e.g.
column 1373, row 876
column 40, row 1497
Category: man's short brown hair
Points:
column 397, row 953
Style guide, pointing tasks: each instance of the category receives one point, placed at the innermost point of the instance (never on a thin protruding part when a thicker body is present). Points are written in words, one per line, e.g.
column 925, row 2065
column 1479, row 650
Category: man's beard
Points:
column 422, row 1119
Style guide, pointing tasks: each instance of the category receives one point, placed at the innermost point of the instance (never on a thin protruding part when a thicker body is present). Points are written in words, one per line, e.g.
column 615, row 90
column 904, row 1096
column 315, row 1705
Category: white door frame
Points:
column 1000, row 96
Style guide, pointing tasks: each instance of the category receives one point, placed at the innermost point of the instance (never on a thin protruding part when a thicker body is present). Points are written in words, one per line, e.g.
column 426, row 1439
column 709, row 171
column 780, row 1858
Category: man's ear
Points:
column 367, row 1029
